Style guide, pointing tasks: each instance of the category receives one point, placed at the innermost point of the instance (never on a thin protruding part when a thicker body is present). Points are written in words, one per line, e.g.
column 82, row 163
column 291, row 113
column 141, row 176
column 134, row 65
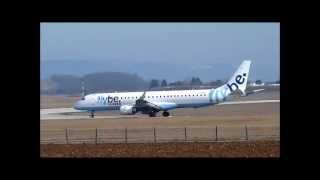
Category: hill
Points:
column 94, row 82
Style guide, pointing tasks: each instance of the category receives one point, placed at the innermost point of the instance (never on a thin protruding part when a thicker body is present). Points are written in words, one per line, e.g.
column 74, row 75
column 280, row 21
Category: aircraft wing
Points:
column 141, row 103
column 152, row 105
column 160, row 106
column 165, row 105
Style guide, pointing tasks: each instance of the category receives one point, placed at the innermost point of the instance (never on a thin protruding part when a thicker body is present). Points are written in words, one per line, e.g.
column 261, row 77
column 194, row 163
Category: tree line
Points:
column 110, row 82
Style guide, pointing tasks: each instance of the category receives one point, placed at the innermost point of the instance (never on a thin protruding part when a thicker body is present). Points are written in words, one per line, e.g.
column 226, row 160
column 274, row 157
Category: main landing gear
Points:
column 165, row 113
column 92, row 114
column 152, row 114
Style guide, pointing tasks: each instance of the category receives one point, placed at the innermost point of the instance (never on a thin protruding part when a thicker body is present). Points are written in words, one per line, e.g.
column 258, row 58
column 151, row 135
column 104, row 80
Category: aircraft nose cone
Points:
column 77, row 105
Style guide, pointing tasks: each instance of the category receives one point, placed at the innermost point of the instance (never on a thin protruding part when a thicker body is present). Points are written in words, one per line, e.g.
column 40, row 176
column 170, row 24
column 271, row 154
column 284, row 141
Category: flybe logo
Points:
column 109, row 100
column 239, row 79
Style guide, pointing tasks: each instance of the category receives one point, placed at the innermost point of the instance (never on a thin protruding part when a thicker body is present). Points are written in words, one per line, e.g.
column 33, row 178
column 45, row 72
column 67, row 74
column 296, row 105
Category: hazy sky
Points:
column 199, row 45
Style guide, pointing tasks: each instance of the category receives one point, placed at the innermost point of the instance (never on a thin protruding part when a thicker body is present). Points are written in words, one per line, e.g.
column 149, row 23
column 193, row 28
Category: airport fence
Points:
column 156, row 135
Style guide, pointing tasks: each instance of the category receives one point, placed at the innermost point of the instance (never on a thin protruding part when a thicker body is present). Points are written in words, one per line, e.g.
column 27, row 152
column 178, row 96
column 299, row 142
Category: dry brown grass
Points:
column 214, row 149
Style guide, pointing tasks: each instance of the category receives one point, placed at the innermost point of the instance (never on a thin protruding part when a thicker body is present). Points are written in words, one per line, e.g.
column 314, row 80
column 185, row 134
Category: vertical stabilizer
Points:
column 240, row 78
column 237, row 82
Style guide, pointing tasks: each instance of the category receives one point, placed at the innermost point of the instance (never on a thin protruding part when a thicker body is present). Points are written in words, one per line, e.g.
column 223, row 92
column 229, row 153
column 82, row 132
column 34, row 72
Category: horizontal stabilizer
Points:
column 253, row 92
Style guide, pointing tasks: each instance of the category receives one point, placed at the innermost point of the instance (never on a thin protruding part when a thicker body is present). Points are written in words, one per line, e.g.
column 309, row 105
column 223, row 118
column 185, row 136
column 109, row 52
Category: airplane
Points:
column 152, row 102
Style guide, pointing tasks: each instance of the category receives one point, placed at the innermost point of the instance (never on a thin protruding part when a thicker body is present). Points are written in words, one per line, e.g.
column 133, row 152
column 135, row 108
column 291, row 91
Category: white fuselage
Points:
column 155, row 101
column 113, row 101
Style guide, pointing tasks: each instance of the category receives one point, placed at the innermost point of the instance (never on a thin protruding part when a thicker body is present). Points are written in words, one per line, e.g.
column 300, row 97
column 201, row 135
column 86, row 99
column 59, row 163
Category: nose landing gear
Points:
column 92, row 114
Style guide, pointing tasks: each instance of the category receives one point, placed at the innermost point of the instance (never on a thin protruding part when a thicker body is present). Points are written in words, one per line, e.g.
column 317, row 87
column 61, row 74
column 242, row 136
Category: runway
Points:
column 260, row 113
column 261, row 117
column 250, row 102
column 70, row 113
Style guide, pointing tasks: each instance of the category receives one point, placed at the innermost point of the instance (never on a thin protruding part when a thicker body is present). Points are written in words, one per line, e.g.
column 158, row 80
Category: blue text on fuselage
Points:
column 114, row 101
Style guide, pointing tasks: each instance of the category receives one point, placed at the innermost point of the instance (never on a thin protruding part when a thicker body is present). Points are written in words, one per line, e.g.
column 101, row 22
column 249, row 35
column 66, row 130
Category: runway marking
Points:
column 58, row 110
column 59, row 116
column 49, row 117
column 71, row 110
column 249, row 102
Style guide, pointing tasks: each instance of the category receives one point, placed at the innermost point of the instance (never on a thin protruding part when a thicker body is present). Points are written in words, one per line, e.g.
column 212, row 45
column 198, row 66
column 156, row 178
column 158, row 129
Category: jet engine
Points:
column 127, row 110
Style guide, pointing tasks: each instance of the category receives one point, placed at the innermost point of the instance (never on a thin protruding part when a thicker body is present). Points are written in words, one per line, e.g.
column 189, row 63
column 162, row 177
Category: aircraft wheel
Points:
column 92, row 114
column 166, row 113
